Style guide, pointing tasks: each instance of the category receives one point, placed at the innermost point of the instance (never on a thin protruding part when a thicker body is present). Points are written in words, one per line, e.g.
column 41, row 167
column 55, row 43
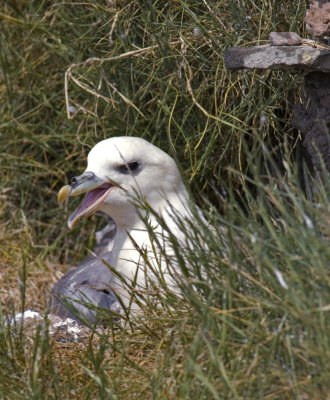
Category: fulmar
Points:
column 135, row 184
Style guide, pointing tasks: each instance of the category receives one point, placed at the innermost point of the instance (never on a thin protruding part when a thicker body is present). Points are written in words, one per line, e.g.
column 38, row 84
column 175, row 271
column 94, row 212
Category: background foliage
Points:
column 73, row 73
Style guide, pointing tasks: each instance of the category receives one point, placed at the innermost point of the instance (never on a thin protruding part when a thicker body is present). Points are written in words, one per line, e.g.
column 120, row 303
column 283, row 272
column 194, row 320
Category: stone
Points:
column 318, row 19
column 284, row 39
column 312, row 118
column 304, row 58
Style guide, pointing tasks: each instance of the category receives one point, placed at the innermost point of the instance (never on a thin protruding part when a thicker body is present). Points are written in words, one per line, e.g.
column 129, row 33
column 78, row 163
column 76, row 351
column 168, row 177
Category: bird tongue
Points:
column 93, row 197
column 90, row 198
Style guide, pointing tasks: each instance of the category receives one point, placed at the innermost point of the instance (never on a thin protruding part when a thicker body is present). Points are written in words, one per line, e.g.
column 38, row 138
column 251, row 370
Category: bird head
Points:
column 119, row 170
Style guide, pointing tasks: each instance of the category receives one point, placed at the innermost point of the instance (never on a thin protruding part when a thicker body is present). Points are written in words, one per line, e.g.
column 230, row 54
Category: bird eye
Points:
column 131, row 166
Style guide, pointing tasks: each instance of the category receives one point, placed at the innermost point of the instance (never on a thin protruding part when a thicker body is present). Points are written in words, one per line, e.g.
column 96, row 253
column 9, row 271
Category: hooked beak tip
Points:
column 63, row 194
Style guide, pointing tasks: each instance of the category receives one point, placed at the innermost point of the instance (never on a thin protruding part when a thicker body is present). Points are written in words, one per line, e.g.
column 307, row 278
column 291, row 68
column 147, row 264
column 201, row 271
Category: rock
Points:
column 318, row 19
column 312, row 115
column 305, row 58
column 312, row 118
column 284, row 39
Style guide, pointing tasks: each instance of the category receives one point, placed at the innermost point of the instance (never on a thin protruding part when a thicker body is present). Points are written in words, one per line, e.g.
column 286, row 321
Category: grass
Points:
column 253, row 321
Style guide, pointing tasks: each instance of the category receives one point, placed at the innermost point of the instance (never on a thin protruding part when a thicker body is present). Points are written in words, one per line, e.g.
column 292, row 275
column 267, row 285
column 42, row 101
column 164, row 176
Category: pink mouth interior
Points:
column 92, row 197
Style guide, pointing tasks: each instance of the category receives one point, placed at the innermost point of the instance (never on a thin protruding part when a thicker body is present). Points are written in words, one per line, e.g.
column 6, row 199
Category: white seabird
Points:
column 122, row 173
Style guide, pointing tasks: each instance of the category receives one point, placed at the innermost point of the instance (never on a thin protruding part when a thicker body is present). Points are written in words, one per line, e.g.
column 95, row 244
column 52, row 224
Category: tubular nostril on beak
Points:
column 79, row 180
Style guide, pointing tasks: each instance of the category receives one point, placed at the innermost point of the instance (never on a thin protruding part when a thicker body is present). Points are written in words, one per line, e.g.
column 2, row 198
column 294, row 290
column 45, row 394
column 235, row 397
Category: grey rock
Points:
column 305, row 58
column 312, row 118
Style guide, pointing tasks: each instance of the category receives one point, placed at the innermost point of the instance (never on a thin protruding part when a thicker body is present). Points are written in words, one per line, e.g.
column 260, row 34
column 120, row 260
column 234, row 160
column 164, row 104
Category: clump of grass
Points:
column 253, row 321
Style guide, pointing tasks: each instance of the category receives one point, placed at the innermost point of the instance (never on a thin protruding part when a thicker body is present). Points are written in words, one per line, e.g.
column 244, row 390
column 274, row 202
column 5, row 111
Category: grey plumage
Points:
column 87, row 285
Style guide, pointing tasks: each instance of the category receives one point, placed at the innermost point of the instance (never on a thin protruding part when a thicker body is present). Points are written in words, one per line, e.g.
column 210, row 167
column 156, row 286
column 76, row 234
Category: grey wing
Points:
column 86, row 286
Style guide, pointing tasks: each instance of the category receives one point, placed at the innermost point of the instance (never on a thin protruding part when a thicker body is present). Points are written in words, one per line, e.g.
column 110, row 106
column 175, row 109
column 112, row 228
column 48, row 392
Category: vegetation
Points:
column 255, row 323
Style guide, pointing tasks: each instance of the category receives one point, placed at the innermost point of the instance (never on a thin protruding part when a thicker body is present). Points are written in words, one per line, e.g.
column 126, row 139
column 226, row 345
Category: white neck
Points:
column 130, row 216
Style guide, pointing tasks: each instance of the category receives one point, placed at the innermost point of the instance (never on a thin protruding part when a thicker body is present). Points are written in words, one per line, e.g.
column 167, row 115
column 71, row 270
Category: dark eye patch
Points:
column 129, row 167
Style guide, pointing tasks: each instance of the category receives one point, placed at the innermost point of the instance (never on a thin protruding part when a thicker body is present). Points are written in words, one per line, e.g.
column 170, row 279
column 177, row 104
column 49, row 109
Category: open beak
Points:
column 96, row 192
